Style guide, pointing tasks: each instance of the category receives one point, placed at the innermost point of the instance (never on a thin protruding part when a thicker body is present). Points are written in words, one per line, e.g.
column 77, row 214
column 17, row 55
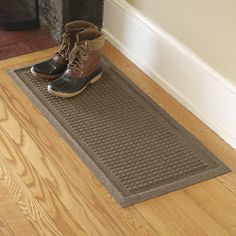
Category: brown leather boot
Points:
column 56, row 66
column 84, row 65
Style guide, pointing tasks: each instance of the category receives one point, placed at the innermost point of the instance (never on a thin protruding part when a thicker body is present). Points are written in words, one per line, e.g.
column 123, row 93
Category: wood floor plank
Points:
column 228, row 181
column 12, row 220
column 27, row 203
column 193, row 209
column 220, row 203
column 70, row 197
column 163, row 213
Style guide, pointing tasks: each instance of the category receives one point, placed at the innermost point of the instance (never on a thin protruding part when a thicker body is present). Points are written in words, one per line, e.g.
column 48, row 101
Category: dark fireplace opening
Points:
column 25, row 14
column 19, row 14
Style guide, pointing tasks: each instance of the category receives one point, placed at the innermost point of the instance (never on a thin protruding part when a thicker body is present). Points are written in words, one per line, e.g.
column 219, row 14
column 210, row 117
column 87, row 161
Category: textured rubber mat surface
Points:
column 133, row 147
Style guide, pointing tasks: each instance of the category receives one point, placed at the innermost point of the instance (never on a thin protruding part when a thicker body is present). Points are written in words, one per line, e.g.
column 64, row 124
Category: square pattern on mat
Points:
column 133, row 147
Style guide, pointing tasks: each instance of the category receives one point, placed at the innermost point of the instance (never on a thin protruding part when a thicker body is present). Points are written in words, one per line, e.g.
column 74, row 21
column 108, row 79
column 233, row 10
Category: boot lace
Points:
column 78, row 55
column 64, row 50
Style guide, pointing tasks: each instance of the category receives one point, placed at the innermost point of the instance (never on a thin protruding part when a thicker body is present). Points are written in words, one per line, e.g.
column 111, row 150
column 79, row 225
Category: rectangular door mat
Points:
column 131, row 145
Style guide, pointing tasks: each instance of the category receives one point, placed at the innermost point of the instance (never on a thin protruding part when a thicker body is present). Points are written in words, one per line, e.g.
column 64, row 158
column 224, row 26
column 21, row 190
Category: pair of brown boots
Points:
column 77, row 63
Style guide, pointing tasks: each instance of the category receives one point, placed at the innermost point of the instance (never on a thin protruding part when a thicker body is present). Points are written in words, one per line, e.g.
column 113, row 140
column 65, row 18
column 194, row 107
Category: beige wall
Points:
column 208, row 27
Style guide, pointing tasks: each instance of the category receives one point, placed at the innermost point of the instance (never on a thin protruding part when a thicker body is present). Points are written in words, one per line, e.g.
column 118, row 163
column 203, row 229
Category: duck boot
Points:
column 84, row 65
column 56, row 66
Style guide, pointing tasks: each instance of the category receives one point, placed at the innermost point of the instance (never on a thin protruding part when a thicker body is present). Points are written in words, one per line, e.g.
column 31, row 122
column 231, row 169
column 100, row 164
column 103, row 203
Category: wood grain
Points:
column 56, row 194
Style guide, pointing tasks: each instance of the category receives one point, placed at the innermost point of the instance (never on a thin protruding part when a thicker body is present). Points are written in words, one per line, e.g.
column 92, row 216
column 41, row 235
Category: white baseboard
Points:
column 174, row 67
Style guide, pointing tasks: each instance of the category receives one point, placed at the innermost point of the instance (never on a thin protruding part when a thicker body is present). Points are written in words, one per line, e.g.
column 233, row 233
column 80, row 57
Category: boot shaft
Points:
column 86, row 54
column 69, row 36
column 80, row 24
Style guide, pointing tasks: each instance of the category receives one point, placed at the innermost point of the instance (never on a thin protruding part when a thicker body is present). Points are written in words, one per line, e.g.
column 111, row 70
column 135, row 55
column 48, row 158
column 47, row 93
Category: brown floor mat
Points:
column 133, row 147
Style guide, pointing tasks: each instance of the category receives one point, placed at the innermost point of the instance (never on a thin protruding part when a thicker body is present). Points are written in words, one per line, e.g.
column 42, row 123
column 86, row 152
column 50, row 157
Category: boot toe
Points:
column 42, row 68
column 63, row 87
column 53, row 90
column 53, row 87
column 58, row 85
column 48, row 69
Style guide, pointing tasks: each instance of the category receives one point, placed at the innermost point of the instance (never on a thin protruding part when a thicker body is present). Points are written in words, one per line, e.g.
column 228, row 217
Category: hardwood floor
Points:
column 46, row 190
